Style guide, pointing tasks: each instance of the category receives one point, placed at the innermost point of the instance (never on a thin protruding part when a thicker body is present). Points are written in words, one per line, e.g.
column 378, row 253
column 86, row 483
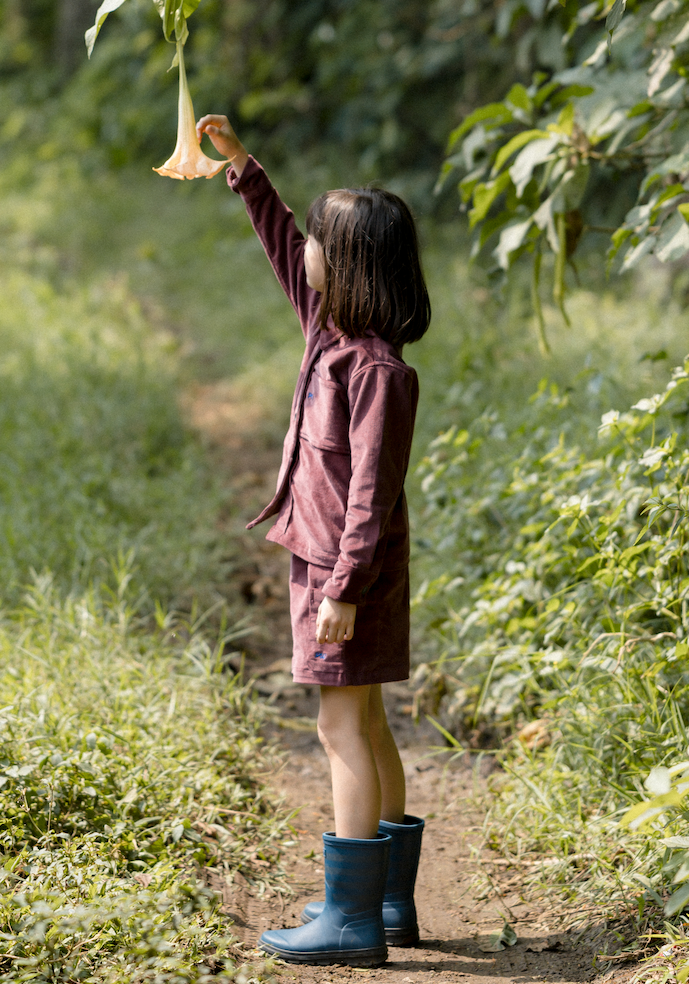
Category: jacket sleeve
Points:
column 382, row 410
column 281, row 239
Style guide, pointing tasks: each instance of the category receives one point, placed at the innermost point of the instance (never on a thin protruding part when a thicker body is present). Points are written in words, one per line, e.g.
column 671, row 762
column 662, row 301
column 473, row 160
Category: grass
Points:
column 129, row 759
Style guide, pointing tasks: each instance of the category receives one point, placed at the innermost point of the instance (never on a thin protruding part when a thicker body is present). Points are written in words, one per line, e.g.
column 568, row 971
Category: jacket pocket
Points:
column 325, row 421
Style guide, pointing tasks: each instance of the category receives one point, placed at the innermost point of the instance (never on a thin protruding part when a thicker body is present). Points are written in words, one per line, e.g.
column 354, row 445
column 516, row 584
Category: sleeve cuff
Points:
column 349, row 584
column 252, row 180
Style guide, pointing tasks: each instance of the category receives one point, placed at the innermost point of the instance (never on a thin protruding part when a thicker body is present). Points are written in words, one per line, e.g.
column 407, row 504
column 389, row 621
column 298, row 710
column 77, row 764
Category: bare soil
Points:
column 465, row 893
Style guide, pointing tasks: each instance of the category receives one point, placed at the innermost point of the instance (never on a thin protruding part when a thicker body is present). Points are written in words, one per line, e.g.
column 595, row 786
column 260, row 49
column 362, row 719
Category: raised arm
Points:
column 273, row 222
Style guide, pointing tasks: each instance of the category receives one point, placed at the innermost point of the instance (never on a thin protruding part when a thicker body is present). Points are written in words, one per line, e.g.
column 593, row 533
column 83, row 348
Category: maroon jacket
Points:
column 340, row 500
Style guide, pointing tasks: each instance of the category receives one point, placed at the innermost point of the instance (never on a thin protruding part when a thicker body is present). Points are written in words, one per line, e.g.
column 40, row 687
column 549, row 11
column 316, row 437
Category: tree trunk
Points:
column 72, row 20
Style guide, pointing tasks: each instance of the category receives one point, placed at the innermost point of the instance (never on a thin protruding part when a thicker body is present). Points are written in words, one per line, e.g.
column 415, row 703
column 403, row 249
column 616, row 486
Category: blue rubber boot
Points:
column 349, row 928
column 399, row 911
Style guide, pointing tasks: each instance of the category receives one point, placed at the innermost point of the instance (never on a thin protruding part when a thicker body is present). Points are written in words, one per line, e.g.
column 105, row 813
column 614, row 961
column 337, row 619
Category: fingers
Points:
column 211, row 122
column 326, row 632
column 334, row 622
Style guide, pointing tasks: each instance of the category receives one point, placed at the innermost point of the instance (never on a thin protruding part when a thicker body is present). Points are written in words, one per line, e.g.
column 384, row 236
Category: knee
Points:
column 322, row 730
column 337, row 734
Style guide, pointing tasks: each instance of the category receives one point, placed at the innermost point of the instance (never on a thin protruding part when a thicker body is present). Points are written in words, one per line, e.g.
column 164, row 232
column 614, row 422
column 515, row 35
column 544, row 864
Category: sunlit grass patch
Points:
column 95, row 458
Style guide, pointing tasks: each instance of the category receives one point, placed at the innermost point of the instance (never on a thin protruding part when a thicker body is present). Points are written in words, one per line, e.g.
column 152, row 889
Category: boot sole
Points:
column 350, row 958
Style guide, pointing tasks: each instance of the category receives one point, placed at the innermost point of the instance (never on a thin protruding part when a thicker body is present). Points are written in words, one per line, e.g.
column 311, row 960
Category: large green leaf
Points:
column 647, row 810
column 498, row 112
column 677, row 901
column 535, row 153
column 485, row 195
column 673, row 241
column 515, row 144
column 511, row 238
column 105, row 8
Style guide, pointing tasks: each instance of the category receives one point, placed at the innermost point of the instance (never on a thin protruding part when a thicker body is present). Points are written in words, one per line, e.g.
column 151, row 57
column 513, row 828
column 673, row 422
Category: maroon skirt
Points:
column 379, row 650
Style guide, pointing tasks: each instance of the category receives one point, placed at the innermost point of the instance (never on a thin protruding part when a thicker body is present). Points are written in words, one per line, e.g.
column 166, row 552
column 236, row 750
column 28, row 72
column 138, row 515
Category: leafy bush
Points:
column 596, row 146
column 554, row 554
column 563, row 616
column 127, row 760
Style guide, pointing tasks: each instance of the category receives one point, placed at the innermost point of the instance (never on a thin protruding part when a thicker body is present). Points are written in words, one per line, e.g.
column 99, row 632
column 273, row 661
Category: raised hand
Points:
column 224, row 139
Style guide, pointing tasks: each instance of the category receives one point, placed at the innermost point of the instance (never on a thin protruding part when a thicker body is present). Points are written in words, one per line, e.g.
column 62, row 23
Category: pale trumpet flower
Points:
column 188, row 160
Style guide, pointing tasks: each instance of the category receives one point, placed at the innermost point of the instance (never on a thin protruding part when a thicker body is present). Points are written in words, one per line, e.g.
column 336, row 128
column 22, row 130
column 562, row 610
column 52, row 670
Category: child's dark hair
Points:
column 373, row 277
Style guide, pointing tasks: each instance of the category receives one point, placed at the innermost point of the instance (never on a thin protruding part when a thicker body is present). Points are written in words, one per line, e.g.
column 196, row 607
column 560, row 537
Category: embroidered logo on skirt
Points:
column 319, row 655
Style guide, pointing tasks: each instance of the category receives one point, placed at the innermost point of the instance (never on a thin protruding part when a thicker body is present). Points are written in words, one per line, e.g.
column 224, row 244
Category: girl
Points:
column 358, row 290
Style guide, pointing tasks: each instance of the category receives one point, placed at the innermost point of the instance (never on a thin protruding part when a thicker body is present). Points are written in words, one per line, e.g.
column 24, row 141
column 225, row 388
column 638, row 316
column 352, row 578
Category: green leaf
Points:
column 660, row 67
column 612, row 21
column 658, row 780
column 645, row 811
column 677, row 901
column 638, row 252
column 511, row 238
column 105, row 8
column 485, row 195
column 516, row 143
column 498, row 941
column 664, row 9
column 536, row 152
column 673, row 241
column 181, row 29
column 572, row 92
column 189, row 7
column 676, row 164
column 169, row 15
column 633, row 552
column 519, row 98
column 642, row 107
column 493, row 111
column 573, row 185
column 544, row 92
column 682, row 842
column 565, row 121
column 493, row 225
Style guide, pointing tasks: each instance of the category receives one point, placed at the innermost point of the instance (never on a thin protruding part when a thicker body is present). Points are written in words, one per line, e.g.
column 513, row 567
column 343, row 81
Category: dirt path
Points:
column 464, row 894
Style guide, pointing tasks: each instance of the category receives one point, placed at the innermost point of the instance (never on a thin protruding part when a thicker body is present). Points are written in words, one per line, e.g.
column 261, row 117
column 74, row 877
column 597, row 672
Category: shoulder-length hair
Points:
column 373, row 276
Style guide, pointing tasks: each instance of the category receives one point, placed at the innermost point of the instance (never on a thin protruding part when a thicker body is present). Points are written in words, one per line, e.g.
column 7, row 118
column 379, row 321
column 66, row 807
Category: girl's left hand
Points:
column 335, row 621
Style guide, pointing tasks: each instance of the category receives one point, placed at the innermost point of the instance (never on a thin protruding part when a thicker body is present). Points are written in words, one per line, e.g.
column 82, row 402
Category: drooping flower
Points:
column 188, row 160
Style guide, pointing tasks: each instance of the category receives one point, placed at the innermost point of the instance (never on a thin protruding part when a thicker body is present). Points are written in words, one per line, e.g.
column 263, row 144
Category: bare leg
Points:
column 387, row 758
column 343, row 729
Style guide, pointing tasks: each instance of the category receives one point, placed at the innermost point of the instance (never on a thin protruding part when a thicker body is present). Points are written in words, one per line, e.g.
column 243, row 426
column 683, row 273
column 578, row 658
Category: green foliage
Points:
column 127, row 760
column 560, row 603
column 669, row 788
column 173, row 14
column 565, row 154
column 565, row 552
column 300, row 81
